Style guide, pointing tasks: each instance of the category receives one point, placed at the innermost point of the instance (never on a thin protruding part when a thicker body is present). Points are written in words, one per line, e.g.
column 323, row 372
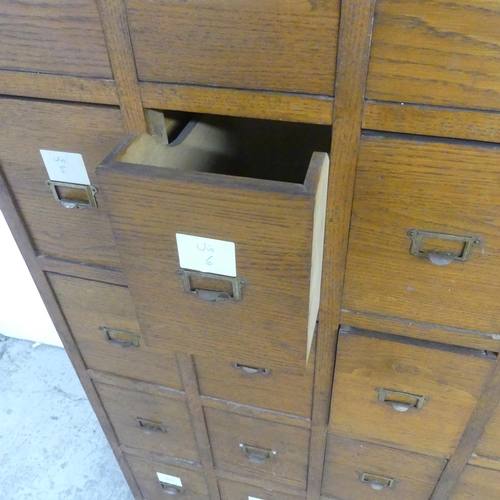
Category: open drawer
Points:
column 247, row 215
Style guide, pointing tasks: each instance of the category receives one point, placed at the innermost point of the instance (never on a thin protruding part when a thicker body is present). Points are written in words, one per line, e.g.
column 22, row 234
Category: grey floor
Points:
column 51, row 445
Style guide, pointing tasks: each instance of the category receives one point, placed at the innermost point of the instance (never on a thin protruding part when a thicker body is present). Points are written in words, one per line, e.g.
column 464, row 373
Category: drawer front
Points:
column 446, row 194
column 259, row 449
column 158, row 481
column 90, row 306
column 379, row 385
column 81, row 235
column 231, row 490
column 264, row 45
column 257, row 385
column 356, row 470
column 149, row 422
column 489, row 444
column 476, row 483
column 54, row 36
column 436, row 52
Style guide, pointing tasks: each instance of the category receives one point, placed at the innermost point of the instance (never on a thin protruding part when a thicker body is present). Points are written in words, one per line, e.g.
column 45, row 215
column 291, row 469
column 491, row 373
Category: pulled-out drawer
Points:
column 222, row 246
column 103, row 323
column 259, row 449
column 476, row 483
column 231, row 490
column 150, row 421
column 158, row 481
column 425, row 233
column 413, row 395
column 356, row 470
column 277, row 45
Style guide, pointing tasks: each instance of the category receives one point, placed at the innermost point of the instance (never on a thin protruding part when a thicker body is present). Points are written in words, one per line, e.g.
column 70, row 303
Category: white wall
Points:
column 22, row 313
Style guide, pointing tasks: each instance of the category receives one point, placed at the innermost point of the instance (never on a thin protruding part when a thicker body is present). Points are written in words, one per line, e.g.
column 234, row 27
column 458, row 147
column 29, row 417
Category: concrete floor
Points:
column 51, row 445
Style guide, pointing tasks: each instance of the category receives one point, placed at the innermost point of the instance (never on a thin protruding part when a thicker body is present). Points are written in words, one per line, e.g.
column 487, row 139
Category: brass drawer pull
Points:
column 121, row 338
column 257, row 455
column 171, row 489
column 89, row 192
column 212, row 287
column 437, row 257
column 150, row 425
column 375, row 481
column 252, row 370
column 401, row 401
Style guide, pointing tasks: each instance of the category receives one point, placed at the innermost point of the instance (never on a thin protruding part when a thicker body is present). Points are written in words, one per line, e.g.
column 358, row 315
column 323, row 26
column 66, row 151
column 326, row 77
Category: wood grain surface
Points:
column 476, row 483
column 286, row 45
column 232, row 490
column 436, row 52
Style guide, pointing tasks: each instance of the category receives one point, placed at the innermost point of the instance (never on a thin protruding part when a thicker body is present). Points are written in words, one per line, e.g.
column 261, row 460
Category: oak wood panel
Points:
column 124, row 407
column 150, row 204
column 476, row 483
column 436, row 52
column 53, row 36
column 415, row 475
column 484, row 462
column 28, row 126
column 88, row 306
column 63, row 88
column 452, row 379
column 21, row 236
column 435, row 121
column 233, row 102
column 227, row 431
column 231, row 490
column 424, row 331
column 484, row 410
column 489, row 445
column 352, row 64
column 286, row 45
column 121, row 55
column 278, row 391
column 433, row 185
column 145, row 471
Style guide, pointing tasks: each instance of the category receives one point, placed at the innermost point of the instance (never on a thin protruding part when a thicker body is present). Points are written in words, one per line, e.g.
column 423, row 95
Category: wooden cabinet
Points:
column 347, row 154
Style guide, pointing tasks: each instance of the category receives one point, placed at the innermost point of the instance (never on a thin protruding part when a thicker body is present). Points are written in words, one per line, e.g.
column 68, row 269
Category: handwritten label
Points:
column 65, row 167
column 206, row 255
column 166, row 479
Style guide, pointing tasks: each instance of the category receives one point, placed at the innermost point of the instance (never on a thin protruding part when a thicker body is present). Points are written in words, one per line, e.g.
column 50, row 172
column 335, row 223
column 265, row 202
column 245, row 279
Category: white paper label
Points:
column 165, row 478
column 254, row 498
column 206, row 255
column 65, row 167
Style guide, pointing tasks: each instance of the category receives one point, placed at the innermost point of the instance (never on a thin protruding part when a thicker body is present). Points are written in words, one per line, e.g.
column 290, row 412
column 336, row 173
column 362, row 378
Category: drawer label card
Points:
column 254, row 498
column 65, row 167
column 166, row 479
column 206, row 255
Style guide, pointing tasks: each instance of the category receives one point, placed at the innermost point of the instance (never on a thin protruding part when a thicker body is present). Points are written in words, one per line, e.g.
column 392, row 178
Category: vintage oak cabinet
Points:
column 338, row 161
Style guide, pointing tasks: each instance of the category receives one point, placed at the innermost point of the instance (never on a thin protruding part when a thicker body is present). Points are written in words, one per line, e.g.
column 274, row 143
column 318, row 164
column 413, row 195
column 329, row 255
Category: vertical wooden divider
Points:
column 356, row 22
column 190, row 382
column 121, row 56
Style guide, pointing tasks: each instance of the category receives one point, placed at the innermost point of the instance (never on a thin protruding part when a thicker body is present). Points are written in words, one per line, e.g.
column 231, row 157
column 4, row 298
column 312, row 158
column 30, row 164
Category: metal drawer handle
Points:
column 401, row 401
column 212, row 287
column 437, row 257
column 90, row 192
column 257, row 455
column 375, row 481
column 120, row 338
column 171, row 489
column 149, row 426
column 252, row 370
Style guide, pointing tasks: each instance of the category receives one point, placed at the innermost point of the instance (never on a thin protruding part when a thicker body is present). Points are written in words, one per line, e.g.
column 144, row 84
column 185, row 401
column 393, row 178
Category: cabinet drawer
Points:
column 356, row 470
column 259, row 449
column 158, row 481
column 231, row 490
column 280, row 45
column 489, row 444
column 89, row 307
column 217, row 187
column 28, row 126
column 436, row 52
column 150, row 422
column 54, row 36
column 257, row 386
column 438, row 200
column 477, row 483
column 379, row 385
